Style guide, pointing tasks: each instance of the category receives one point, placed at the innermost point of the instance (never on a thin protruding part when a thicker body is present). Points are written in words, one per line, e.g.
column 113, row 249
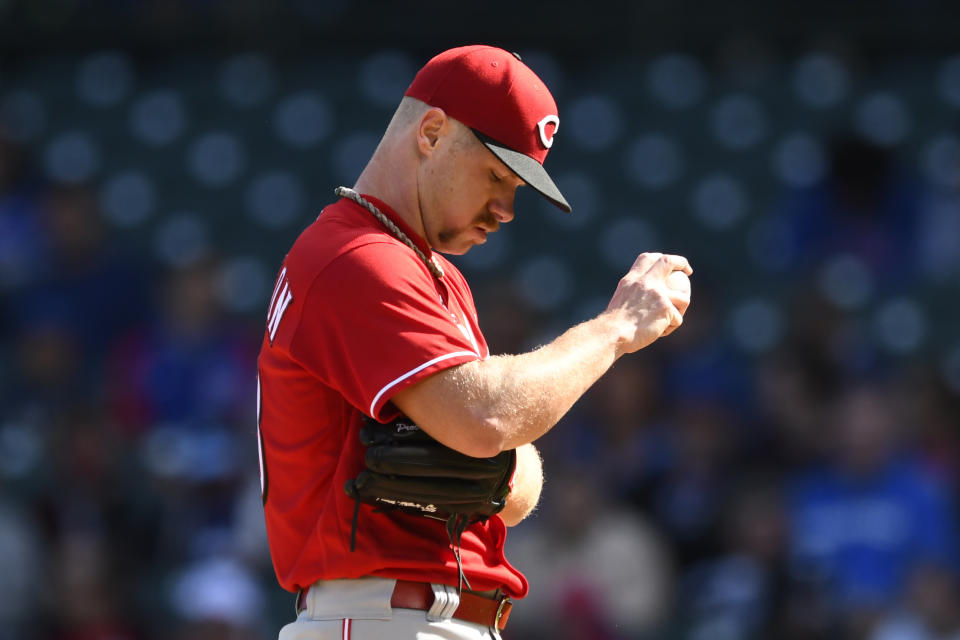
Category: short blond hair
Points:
column 410, row 110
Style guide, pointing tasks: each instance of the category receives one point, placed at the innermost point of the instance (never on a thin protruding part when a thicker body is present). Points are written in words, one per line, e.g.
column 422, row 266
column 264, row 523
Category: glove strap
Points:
column 353, row 526
column 455, row 526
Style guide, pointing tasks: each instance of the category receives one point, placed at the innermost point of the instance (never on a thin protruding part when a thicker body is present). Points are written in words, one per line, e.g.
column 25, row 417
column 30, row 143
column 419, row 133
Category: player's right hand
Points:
column 644, row 305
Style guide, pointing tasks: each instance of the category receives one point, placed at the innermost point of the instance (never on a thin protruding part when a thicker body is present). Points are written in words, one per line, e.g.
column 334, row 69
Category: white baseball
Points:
column 678, row 281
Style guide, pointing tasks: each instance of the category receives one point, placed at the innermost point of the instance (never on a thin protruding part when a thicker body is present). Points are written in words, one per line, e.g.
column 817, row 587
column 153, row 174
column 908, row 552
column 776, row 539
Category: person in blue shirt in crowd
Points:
column 864, row 520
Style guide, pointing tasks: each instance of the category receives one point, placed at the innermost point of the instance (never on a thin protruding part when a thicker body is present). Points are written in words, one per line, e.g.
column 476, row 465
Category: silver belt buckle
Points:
column 504, row 602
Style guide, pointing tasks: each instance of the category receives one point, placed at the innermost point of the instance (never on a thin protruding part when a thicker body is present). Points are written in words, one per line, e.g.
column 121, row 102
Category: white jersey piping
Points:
column 416, row 370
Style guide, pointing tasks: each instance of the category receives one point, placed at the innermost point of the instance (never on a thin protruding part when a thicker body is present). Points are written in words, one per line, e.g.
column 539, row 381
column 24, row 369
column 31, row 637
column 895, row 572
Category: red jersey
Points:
column 355, row 317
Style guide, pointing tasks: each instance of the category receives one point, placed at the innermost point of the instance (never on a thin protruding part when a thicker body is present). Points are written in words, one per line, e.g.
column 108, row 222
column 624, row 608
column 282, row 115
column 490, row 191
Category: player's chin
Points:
column 454, row 249
column 463, row 243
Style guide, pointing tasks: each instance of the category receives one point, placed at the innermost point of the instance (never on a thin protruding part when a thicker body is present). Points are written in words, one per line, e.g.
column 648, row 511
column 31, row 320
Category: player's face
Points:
column 470, row 193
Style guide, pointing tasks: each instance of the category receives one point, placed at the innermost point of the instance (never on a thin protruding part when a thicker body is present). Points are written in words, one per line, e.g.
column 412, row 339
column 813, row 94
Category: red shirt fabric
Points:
column 355, row 317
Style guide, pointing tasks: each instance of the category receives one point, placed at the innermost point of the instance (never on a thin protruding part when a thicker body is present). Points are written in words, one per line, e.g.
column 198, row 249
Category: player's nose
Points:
column 502, row 209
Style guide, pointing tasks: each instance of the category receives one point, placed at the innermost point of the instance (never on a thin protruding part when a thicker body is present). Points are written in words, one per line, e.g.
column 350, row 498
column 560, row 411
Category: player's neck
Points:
column 395, row 183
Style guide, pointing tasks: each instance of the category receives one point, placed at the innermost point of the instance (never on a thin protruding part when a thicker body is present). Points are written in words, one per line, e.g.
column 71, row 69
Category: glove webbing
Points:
column 456, row 524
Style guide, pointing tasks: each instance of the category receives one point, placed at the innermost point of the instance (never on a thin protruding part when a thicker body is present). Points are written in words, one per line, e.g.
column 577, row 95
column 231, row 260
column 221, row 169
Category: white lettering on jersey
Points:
column 279, row 301
column 263, row 466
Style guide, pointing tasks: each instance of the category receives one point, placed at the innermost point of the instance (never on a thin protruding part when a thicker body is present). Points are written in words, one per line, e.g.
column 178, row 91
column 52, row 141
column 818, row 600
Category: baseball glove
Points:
column 409, row 471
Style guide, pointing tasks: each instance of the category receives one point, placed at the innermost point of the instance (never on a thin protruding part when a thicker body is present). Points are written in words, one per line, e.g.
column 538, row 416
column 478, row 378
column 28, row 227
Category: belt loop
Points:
column 445, row 603
column 300, row 604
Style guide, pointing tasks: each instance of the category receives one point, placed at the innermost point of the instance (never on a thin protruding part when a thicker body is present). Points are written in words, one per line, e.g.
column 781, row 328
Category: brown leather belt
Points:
column 486, row 611
column 482, row 610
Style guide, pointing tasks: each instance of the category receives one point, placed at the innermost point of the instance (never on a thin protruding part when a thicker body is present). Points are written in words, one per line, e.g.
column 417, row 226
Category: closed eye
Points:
column 495, row 177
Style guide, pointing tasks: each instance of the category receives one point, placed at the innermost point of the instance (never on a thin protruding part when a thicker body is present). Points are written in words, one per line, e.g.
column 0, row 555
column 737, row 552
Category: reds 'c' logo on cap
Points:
column 542, row 128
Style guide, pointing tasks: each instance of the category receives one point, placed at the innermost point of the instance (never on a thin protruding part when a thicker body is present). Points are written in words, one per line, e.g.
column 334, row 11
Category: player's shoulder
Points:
column 344, row 247
column 335, row 227
column 342, row 254
column 337, row 232
column 379, row 257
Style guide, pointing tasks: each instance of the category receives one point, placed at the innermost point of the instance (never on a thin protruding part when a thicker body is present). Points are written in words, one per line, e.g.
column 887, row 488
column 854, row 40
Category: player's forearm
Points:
column 518, row 398
column 527, row 485
column 484, row 407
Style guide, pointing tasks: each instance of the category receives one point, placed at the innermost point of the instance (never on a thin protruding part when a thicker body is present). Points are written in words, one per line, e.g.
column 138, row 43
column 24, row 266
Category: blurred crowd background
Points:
column 786, row 466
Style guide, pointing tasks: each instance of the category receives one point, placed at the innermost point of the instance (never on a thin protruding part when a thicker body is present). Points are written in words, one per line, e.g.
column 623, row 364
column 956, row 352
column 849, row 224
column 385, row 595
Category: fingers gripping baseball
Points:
column 651, row 298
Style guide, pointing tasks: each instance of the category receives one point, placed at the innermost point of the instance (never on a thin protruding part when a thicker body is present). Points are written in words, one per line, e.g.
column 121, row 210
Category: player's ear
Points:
column 430, row 129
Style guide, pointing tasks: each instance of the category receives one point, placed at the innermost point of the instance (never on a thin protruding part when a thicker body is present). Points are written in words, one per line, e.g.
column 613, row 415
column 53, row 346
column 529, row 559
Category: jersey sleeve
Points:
column 373, row 323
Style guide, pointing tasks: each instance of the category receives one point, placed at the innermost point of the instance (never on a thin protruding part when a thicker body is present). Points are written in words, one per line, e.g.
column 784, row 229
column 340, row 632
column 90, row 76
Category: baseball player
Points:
column 394, row 449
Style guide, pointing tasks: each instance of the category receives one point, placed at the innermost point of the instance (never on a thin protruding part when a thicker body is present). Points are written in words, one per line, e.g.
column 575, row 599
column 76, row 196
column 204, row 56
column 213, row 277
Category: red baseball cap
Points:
column 509, row 108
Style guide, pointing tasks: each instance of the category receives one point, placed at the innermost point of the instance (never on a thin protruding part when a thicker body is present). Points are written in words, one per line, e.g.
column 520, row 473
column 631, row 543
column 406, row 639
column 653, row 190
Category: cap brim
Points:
column 528, row 169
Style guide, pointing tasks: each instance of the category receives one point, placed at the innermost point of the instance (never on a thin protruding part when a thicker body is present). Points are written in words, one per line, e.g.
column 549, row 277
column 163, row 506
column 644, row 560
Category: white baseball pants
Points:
column 360, row 610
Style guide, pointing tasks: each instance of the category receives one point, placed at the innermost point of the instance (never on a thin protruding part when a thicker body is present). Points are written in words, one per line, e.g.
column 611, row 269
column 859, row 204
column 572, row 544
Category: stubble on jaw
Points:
column 462, row 143
column 485, row 220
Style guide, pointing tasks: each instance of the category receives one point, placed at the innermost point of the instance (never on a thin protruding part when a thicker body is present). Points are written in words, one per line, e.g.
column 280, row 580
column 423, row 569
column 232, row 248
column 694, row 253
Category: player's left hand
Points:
column 410, row 471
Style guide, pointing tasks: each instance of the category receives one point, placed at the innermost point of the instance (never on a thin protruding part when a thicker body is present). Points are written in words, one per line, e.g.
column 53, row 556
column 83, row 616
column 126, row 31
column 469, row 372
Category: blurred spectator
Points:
column 739, row 594
column 862, row 521
column 48, row 368
column 688, row 499
column 21, row 579
column 794, row 386
column 924, row 403
column 100, row 525
column 700, row 362
column 22, row 250
column 86, row 596
column 594, row 559
column 867, row 208
column 932, row 610
column 82, row 294
column 616, row 430
column 191, row 366
column 98, row 287
column 218, row 599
